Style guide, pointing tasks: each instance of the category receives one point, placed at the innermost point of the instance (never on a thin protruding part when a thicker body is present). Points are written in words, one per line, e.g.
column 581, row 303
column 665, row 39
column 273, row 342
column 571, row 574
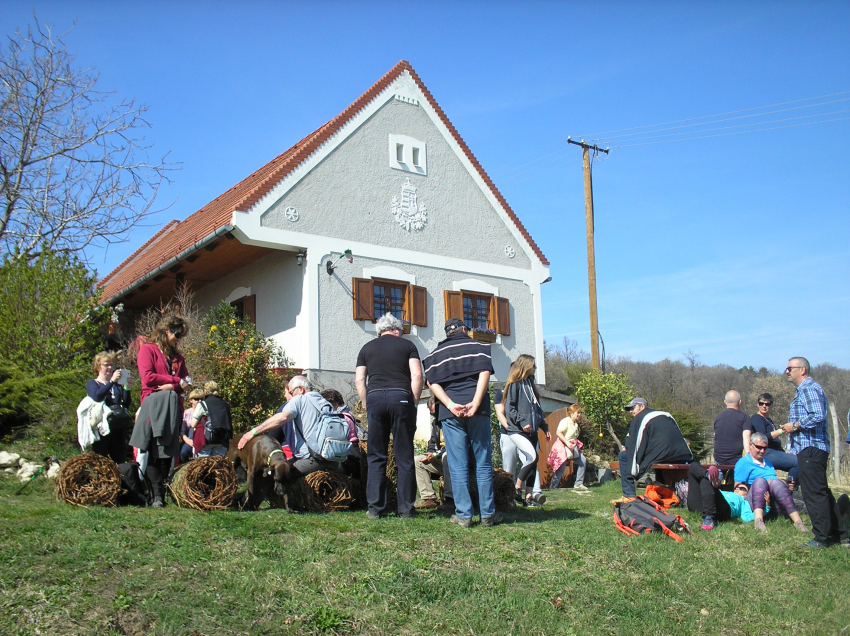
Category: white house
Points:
column 389, row 179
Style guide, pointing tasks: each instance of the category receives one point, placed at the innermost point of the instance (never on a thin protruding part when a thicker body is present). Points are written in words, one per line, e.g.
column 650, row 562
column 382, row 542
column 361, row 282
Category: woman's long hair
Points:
column 160, row 334
column 521, row 369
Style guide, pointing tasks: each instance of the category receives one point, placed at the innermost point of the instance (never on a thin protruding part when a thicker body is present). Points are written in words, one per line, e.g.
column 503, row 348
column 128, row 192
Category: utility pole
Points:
column 591, row 253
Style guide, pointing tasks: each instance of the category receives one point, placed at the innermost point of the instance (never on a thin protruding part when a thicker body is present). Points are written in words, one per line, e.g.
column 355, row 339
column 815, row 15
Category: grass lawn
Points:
column 562, row 569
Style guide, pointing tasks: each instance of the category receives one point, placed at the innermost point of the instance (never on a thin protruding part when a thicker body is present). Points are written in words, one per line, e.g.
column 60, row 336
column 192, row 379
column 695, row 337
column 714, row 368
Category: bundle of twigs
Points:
column 89, row 480
column 205, row 483
column 319, row 492
column 503, row 489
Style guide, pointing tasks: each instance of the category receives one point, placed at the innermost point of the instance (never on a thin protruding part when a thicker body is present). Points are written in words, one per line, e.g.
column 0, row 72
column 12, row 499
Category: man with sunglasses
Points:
column 758, row 473
column 810, row 442
column 654, row 438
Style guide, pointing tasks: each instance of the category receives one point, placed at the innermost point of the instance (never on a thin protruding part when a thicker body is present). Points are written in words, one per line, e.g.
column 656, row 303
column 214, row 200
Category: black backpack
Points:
column 643, row 516
column 135, row 487
column 218, row 428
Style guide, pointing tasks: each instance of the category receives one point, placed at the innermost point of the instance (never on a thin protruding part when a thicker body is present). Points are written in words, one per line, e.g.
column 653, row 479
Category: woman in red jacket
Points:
column 162, row 368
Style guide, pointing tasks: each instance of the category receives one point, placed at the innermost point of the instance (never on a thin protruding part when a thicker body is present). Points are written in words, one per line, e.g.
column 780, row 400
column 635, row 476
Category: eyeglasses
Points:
column 788, row 369
column 765, row 403
column 761, row 448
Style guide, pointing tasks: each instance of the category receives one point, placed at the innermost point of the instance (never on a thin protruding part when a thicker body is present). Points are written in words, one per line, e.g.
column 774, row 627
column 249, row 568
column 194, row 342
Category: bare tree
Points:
column 74, row 168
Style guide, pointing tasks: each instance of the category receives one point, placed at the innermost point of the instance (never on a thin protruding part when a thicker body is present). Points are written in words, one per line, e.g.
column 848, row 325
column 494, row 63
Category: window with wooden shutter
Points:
column 246, row 307
column 453, row 302
column 374, row 297
column 363, row 303
column 502, row 316
column 418, row 306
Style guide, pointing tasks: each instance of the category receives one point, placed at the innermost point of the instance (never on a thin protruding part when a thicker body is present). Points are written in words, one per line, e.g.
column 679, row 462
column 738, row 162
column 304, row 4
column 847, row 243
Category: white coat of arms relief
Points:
column 408, row 211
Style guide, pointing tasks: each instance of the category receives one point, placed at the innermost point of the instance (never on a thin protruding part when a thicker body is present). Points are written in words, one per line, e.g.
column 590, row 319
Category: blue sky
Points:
column 734, row 247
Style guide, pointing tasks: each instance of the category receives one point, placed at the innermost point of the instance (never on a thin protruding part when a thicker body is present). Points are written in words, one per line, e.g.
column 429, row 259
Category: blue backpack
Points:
column 330, row 436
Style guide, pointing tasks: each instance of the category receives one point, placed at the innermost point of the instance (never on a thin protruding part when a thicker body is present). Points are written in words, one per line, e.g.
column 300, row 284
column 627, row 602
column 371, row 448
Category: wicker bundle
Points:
column 205, row 483
column 319, row 492
column 89, row 480
column 503, row 489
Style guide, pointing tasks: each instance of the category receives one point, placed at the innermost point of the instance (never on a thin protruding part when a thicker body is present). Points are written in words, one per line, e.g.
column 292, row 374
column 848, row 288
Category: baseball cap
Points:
column 453, row 324
column 635, row 402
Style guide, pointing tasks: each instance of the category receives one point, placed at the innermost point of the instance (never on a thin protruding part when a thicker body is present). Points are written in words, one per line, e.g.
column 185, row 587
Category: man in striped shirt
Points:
column 810, row 442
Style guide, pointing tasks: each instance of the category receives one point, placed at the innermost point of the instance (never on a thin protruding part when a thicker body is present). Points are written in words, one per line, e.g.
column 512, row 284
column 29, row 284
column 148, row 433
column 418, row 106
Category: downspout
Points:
column 209, row 238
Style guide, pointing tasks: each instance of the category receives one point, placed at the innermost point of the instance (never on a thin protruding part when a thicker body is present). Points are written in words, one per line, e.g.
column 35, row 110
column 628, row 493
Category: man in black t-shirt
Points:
column 732, row 430
column 389, row 381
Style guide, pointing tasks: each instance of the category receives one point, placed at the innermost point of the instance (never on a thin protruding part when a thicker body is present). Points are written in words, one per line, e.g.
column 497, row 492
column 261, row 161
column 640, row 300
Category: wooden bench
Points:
column 669, row 474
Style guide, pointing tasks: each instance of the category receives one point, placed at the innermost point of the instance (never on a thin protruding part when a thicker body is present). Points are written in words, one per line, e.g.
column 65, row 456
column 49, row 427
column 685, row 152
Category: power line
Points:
column 762, row 123
column 731, row 112
column 742, row 132
column 720, row 121
column 551, row 154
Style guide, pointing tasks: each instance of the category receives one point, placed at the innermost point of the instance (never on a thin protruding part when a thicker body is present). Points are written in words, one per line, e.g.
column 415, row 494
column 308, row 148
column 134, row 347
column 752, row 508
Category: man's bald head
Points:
column 732, row 400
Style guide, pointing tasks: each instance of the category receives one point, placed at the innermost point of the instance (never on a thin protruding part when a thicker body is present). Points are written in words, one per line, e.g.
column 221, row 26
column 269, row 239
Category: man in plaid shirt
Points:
column 810, row 442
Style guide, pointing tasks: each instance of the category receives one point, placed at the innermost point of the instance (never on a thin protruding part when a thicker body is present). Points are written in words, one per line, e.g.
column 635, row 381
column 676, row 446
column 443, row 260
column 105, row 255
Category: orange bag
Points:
column 661, row 495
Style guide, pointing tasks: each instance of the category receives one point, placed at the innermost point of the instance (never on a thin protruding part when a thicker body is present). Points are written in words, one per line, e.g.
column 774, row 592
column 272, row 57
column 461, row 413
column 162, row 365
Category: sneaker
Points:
column 463, row 523
column 518, row 497
column 801, row 526
column 714, row 476
column 428, row 504
column 708, row 523
column 373, row 514
column 540, row 498
column 815, row 544
column 581, row 487
column 845, row 543
column 495, row 520
column 758, row 524
column 530, row 503
column 158, row 502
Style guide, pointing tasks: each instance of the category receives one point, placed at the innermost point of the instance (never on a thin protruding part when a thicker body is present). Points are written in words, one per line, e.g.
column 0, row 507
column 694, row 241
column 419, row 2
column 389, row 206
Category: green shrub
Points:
column 602, row 397
column 236, row 355
column 49, row 318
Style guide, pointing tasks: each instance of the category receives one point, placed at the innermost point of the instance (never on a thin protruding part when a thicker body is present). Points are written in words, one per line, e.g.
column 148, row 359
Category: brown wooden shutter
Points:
column 501, row 310
column 453, row 301
column 249, row 308
column 418, row 306
column 363, row 303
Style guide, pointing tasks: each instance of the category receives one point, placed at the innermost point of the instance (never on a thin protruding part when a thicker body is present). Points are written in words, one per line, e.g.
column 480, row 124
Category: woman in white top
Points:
column 566, row 448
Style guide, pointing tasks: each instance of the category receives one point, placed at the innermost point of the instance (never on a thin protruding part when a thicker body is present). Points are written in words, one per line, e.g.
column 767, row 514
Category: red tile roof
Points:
column 250, row 190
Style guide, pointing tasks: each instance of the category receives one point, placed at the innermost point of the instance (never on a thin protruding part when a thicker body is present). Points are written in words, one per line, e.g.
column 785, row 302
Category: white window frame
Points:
column 413, row 152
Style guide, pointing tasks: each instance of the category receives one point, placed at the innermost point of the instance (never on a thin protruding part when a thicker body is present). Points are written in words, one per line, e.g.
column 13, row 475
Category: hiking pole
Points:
column 48, row 461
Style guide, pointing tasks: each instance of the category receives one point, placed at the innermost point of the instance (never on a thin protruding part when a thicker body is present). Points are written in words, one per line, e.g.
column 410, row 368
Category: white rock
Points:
column 8, row 460
column 8, row 470
column 27, row 470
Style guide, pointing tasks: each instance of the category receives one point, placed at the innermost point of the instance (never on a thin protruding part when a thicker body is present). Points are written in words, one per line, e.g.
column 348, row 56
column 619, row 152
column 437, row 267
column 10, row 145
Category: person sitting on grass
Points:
column 706, row 498
column 759, row 474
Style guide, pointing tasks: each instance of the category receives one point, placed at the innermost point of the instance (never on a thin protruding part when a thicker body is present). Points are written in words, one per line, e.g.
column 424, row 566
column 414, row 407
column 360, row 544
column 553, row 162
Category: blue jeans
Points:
column 461, row 434
column 783, row 461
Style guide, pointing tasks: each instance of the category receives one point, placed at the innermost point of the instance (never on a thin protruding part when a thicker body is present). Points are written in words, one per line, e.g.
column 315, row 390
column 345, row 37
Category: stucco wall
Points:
column 349, row 195
column 341, row 337
column 277, row 282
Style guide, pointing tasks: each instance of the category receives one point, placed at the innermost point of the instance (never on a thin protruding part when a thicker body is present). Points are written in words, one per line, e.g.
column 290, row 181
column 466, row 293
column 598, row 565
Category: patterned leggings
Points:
column 780, row 496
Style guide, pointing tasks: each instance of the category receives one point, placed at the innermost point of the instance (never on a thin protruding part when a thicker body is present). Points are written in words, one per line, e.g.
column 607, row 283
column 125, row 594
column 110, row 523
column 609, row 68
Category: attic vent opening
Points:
column 408, row 154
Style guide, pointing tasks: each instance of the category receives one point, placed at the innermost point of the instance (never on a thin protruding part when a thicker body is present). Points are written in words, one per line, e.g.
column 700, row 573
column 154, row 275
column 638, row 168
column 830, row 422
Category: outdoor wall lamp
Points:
column 300, row 256
column 546, row 281
column 331, row 265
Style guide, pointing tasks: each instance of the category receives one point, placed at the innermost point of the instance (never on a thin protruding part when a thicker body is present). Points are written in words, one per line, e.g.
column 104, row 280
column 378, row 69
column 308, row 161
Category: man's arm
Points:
column 480, row 390
column 458, row 410
column 360, row 384
column 275, row 421
column 500, row 414
column 416, row 381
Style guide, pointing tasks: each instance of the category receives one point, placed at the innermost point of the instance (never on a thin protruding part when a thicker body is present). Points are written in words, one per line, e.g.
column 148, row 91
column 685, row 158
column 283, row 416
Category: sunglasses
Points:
column 765, row 403
column 744, row 488
column 761, row 448
column 177, row 334
column 788, row 369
